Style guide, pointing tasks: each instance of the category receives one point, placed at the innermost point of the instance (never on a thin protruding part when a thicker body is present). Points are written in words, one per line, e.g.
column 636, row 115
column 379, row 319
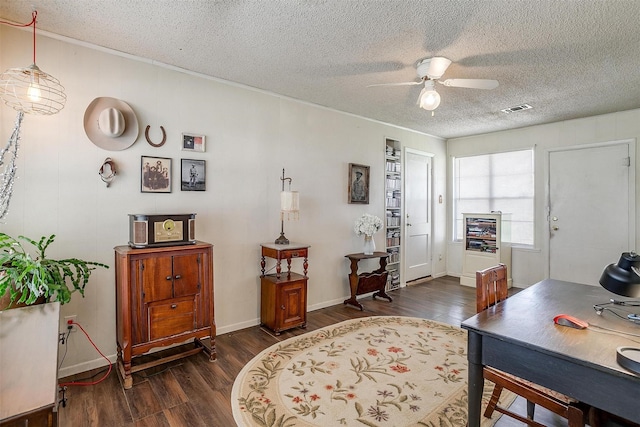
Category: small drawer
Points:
column 172, row 317
column 293, row 253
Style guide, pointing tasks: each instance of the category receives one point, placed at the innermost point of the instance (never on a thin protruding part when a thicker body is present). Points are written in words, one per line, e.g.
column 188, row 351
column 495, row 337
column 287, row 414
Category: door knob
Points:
column 555, row 228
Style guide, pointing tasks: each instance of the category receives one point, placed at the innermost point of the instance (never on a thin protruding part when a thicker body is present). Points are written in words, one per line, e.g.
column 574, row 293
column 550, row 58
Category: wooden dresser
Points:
column 164, row 296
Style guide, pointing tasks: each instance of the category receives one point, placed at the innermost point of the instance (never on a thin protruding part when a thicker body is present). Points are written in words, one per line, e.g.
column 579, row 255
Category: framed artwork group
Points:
column 156, row 172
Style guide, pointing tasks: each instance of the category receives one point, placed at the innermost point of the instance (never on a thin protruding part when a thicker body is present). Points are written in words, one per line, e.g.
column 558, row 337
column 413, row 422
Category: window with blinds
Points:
column 496, row 182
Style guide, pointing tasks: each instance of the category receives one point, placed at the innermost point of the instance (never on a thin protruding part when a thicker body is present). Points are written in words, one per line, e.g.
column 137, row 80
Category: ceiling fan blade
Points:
column 396, row 84
column 471, row 83
column 437, row 66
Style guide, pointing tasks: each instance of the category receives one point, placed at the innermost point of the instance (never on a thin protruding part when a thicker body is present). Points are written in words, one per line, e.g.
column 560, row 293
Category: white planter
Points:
column 28, row 358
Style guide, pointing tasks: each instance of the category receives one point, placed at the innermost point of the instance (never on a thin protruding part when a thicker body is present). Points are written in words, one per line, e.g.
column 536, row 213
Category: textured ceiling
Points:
column 567, row 59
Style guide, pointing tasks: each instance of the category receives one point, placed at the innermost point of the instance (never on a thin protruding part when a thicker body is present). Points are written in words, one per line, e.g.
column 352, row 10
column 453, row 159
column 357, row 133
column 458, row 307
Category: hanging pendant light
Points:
column 31, row 90
column 27, row 90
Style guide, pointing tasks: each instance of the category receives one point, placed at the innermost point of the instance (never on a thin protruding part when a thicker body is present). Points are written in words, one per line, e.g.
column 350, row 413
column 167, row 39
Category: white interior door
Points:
column 417, row 175
column 591, row 205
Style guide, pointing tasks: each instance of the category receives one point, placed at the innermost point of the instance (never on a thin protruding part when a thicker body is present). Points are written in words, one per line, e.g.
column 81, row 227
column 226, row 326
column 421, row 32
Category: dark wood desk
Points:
column 518, row 336
column 364, row 283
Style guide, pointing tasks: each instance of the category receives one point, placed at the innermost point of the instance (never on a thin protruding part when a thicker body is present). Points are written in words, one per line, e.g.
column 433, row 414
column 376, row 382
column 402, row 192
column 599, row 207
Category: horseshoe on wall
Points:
column 160, row 144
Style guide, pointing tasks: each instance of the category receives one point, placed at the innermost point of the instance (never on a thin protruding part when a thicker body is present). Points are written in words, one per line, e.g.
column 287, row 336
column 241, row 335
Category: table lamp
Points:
column 289, row 205
column 623, row 279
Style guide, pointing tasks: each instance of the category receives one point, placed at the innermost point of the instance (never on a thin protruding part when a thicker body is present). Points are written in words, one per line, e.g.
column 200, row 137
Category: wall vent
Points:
column 517, row 108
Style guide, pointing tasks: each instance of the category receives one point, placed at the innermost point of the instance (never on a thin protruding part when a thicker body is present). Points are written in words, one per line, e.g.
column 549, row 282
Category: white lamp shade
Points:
column 429, row 99
column 289, row 201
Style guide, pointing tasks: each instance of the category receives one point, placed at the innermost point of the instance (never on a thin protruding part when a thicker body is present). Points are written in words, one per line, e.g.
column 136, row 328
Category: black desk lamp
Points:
column 624, row 279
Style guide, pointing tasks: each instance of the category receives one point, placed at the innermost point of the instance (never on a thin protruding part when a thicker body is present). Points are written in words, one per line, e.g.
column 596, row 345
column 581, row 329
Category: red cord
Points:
column 34, row 14
column 71, row 322
column 33, row 21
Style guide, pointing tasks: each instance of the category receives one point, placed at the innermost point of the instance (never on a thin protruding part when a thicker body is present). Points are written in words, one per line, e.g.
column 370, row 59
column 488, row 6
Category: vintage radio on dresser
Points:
column 164, row 296
column 161, row 230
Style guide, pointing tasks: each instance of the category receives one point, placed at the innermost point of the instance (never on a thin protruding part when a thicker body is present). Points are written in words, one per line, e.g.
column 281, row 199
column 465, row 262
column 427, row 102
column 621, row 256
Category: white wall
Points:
column 251, row 136
column 530, row 265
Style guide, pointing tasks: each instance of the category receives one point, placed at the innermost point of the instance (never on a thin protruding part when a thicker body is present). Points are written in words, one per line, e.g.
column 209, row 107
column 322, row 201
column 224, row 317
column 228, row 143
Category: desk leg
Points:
column 353, row 284
column 476, row 380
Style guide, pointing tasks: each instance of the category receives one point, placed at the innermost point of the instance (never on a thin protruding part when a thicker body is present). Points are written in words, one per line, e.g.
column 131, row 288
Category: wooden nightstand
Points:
column 283, row 302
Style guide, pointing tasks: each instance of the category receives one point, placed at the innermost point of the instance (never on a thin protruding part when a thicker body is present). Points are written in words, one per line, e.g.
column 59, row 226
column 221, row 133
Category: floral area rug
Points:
column 372, row 371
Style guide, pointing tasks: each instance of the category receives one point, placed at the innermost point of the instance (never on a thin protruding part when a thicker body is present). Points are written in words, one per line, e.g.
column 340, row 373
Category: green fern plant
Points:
column 26, row 278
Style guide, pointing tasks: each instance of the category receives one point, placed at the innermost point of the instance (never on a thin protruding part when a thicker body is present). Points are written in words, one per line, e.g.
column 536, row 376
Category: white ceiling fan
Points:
column 430, row 70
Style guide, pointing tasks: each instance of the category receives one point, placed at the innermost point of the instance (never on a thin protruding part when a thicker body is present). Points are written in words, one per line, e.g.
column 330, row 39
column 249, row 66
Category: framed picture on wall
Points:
column 192, row 142
column 358, row 184
column 193, row 176
column 155, row 175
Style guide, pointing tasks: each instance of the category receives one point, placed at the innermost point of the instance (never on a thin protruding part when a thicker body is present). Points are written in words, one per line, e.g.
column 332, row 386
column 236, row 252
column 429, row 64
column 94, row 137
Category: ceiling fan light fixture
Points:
column 429, row 99
column 433, row 68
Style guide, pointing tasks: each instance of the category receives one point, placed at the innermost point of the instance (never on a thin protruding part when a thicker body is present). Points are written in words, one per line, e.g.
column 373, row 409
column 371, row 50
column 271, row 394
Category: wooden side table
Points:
column 367, row 282
column 283, row 297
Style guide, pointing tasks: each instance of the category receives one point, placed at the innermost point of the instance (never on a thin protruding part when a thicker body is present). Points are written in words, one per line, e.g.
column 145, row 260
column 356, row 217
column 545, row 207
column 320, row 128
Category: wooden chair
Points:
column 491, row 288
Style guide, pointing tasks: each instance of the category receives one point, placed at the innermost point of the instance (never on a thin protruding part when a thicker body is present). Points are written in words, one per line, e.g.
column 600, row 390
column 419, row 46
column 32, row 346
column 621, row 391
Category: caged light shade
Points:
column 30, row 90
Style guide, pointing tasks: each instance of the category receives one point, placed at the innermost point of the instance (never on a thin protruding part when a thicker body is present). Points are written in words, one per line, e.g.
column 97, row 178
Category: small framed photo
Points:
column 193, row 176
column 358, row 184
column 191, row 142
column 155, row 175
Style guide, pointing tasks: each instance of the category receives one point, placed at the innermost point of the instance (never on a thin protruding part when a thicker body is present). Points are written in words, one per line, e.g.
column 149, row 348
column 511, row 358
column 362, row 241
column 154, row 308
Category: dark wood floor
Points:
column 195, row 392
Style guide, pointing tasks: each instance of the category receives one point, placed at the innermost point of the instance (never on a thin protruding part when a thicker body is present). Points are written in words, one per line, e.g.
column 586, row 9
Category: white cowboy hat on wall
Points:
column 111, row 124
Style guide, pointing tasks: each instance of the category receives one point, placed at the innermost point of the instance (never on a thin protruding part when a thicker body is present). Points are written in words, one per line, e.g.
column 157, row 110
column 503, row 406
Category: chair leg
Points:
column 491, row 406
column 531, row 409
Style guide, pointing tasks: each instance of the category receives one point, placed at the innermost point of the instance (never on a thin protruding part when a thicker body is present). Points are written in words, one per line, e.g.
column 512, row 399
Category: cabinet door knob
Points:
column 282, row 307
column 177, row 276
column 169, row 277
column 174, row 305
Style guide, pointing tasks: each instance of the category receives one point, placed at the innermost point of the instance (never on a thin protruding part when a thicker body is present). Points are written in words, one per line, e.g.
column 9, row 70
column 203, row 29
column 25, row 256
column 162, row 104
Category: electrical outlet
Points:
column 69, row 323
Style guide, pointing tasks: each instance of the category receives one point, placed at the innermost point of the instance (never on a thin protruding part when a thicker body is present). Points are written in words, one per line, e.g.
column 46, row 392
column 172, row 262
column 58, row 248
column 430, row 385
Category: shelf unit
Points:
column 393, row 207
column 486, row 244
